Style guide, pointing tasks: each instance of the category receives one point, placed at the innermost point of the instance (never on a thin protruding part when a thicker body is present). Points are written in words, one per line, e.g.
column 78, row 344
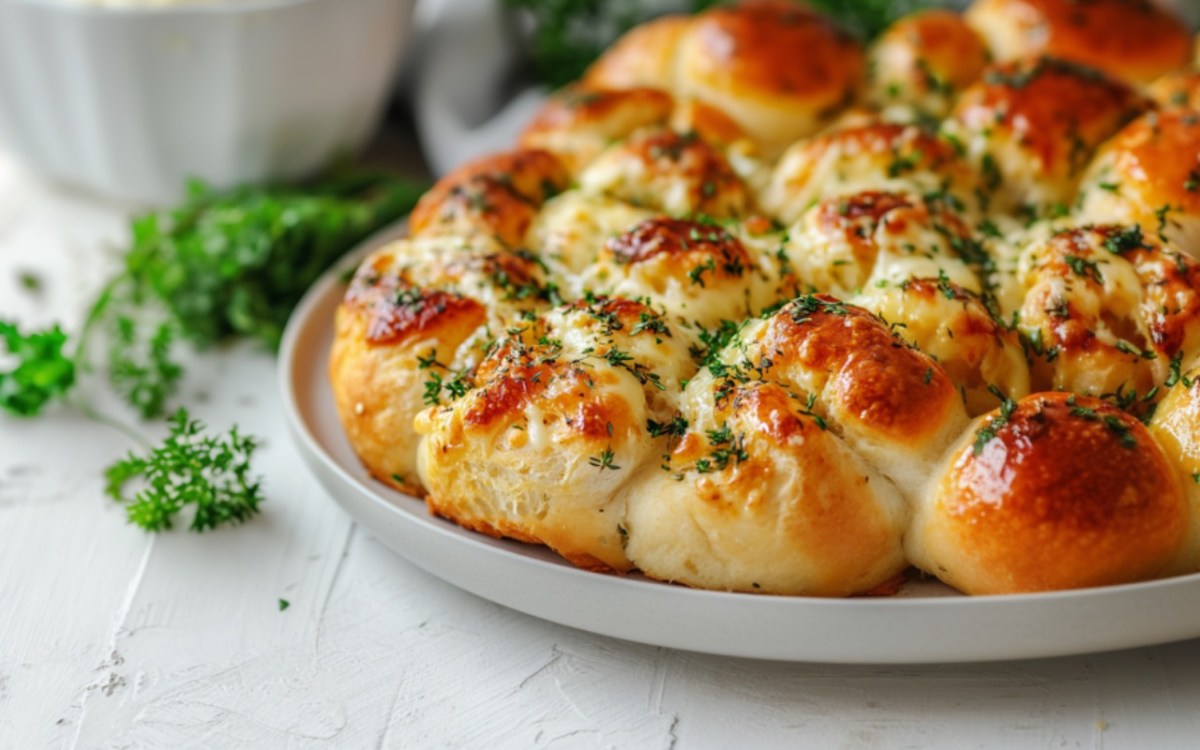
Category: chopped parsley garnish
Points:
column 805, row 307
column 604, row 460
column 677, row 427
column 1125, row 240
column 987, row 432
column 1088, row 269
column 696, row 274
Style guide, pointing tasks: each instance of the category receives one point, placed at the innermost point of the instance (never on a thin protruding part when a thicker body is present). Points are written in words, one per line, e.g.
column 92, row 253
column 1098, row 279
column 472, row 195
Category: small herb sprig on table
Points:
column 189, row 468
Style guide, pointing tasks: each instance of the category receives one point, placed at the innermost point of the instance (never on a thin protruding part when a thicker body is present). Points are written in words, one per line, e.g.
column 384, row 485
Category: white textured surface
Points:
column 110, row 638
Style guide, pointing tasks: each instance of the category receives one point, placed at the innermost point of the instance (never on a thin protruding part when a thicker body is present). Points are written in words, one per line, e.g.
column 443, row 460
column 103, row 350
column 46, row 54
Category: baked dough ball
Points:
column 554, row 427
column 1136, row 40
column 417, row 313
column 577, row 123
column 893, row 405
column 1176, row 427
column 869, row 239
column 744, row 61
column 664, row 170
column 696, row 271
column 645, row 56
column 877, row 156
column 1053, row 492
column 1107, row 308
column 1179, row 88
column 573, row 226
column 497, row 196
column 759, row 495
column 1031, row 126
column 921, row 63
column 981, row 355
column 1149, row 174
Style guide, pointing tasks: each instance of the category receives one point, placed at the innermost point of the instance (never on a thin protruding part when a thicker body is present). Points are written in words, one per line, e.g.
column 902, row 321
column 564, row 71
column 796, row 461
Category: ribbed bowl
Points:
column 132, row 101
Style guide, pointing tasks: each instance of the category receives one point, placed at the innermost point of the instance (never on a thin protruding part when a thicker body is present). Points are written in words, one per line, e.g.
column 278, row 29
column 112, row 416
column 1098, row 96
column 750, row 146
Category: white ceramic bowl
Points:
column 131, row 101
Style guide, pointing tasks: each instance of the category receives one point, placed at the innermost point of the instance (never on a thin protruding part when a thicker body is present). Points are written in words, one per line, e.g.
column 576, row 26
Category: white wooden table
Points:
column 110, row 637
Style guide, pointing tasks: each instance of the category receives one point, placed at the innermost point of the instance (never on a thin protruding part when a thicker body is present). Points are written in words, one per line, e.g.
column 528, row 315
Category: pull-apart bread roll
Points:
column 697, row 271
column 876, row 156
column 778, row 70
column 578, row 123
column 791, row 457
column 1031, row 127
column 873, row 239
column 981, row 355
column 555, row 425
column 497, row 196
column 1107, row 310
column 1149, row 174
column 668, row 171
column 418, row 311
column 1137, row 40
column 922, row 62
column 1056, row 491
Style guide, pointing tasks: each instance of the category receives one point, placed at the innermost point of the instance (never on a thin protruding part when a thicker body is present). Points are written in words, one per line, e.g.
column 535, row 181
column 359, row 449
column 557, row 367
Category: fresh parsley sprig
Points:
column 43, row 372
column 191, row 467
column 223, row 265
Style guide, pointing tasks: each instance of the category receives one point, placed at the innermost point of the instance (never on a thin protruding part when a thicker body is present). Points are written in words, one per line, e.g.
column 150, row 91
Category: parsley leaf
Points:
column 42, row 372
column 189, row 468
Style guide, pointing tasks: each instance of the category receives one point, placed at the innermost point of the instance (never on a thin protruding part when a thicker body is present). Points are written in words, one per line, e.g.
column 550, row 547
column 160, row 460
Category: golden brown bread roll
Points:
column 922, row 62
column 794, row 449
column 1056, row 491
column 416, row 313
column 876, row 156
column 572, row 228
column 665, row 170
column 1149, row 174
column 1106, row 309
column 1032, row 125
column 694, row 270
column 577, row 123
column 980, row 354
column 893, row 405
column 497, row 196
column 556, row 423
column 1136, row 40
column 744, row 61
column 758, row 495
column 846, row 244
column 644, row 56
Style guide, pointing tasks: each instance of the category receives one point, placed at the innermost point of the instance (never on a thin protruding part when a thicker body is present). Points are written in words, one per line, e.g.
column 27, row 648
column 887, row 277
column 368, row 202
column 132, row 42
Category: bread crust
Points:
column 1133, row 39
column 1065, row 492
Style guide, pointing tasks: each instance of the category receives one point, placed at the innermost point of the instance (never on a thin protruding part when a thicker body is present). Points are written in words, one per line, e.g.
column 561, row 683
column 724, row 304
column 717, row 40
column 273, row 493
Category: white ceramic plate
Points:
column 924, row 624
